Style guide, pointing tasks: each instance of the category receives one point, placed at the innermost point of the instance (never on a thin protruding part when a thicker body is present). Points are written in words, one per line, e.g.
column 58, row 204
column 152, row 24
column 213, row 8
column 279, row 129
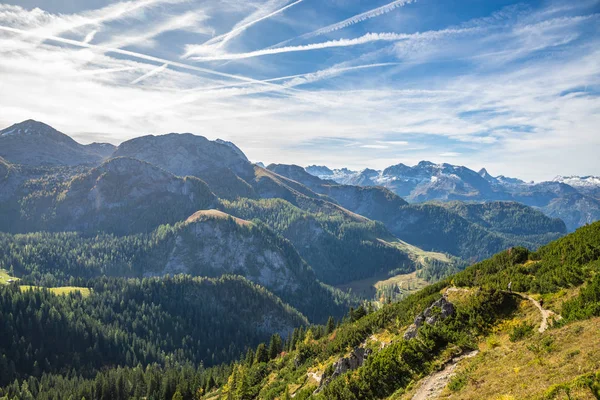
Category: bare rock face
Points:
column 439, row 310
column 355, row 360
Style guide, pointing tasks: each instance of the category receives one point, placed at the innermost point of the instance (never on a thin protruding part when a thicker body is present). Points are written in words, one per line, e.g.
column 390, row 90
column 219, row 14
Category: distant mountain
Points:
column 35, row 143
column 104, row 150
column 433, row 226
column 588, row 185
column 427, row 181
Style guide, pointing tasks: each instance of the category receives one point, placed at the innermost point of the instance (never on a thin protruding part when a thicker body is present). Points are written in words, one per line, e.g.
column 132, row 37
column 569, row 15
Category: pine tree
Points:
column 330, row 326
column 274, row 346
column 261, row 354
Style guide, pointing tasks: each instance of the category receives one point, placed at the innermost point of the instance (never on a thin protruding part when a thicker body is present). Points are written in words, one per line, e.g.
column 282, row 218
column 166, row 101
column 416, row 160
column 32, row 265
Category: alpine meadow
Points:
column 299, row 199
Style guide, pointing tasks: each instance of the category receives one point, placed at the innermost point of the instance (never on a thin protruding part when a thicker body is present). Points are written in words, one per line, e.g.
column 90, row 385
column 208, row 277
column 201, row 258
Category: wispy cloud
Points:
column 155, row 71
column 192, row 21
column 367, row 38
column 374, row 146
column 132, row 54
column 218, row 42
column 376, row 12
column 90, row 36
column 515, row 91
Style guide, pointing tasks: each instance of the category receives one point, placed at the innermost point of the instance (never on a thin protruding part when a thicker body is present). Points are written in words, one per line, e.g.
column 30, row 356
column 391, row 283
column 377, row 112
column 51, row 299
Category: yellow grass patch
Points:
column 527, row 369
column 64, row 290
column 216, row 214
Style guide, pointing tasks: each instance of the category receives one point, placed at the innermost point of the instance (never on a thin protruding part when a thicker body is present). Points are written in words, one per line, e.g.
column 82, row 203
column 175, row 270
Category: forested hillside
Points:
column 435, row 227
column 339, row 247
column 208, row 244
column 136, row 322
column 379, row 355
column 483, row 308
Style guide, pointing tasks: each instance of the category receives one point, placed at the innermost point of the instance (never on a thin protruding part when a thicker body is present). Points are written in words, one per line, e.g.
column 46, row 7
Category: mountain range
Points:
column 128, row 270
column 152, row 180
column 575, row 200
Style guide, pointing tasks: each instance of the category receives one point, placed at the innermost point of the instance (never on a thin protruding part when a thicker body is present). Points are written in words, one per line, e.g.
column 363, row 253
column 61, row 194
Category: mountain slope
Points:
column 488, row 334
column 339, row 247
column 35, row 143
column 431, row 226
column 120, row 196
column 209, row 243
column 126, row 322
column 223, row 167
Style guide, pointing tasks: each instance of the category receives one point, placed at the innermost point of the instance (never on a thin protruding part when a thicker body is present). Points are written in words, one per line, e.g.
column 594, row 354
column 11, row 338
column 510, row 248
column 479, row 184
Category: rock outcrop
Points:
column 439, row 310
column 353, row 361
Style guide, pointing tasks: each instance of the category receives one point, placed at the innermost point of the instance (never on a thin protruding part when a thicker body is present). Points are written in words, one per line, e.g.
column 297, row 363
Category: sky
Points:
column 507, row 85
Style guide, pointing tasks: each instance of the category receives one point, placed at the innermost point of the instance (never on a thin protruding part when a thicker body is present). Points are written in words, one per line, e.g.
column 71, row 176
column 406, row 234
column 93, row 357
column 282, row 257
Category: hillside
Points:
column 509, row 349
column 433, row 226
column 126, row 322
column 339, row 247
column 466, row 337
column 209, row 243
column 120, row 196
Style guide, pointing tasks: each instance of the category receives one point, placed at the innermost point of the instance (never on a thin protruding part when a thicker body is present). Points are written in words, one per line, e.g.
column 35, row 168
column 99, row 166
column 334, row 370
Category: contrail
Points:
column 90, row 36
column 224, row 38
column 139, row 56
column 151, row 73
column 321, row 74
column 367, row 38
column 351, row 21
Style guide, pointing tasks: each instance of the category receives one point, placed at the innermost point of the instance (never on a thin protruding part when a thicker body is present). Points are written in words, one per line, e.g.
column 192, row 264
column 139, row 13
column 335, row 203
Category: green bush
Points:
column 520, row 332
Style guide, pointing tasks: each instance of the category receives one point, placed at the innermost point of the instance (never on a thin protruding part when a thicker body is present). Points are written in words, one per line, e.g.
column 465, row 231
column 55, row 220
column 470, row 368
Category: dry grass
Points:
column 419, row 254
column 526, row 369
column 368, row 287
column 216, row 214
column 64, row 290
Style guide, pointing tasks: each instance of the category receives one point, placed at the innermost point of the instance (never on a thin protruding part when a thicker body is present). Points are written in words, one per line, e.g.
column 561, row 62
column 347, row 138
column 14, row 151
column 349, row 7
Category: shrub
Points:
column 521, row 331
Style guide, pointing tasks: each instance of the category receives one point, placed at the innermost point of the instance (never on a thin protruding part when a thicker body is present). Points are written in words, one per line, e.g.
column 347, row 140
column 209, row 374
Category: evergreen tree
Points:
column 261, row 356
column 330, row 326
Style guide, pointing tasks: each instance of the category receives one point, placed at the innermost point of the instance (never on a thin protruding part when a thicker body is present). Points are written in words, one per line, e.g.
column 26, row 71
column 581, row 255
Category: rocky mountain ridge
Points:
column 573, row 199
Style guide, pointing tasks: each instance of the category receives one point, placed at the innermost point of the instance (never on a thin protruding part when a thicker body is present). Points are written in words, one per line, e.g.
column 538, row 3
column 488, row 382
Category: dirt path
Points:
column 544, row 312
column 433, row 385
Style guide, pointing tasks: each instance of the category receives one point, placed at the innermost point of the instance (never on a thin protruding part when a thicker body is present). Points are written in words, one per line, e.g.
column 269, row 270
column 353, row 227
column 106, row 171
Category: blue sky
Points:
column 511, row 86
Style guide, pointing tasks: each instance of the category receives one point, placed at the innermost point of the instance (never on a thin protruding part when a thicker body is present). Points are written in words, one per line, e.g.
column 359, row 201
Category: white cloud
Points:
column 367, row 38
column 506, row 106
column 374, row 146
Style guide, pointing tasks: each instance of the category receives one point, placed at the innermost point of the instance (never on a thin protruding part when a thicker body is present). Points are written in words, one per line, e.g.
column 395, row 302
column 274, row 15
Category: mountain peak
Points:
column 31, row 127
column 486, row 175
column 35, row 143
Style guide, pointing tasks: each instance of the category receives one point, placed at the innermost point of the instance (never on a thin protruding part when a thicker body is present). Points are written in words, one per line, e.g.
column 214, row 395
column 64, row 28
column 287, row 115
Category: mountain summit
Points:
column 35, row 143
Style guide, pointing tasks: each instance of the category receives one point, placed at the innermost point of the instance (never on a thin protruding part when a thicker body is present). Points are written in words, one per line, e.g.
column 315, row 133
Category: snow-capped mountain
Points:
column 428, row 181
column 579, row 181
